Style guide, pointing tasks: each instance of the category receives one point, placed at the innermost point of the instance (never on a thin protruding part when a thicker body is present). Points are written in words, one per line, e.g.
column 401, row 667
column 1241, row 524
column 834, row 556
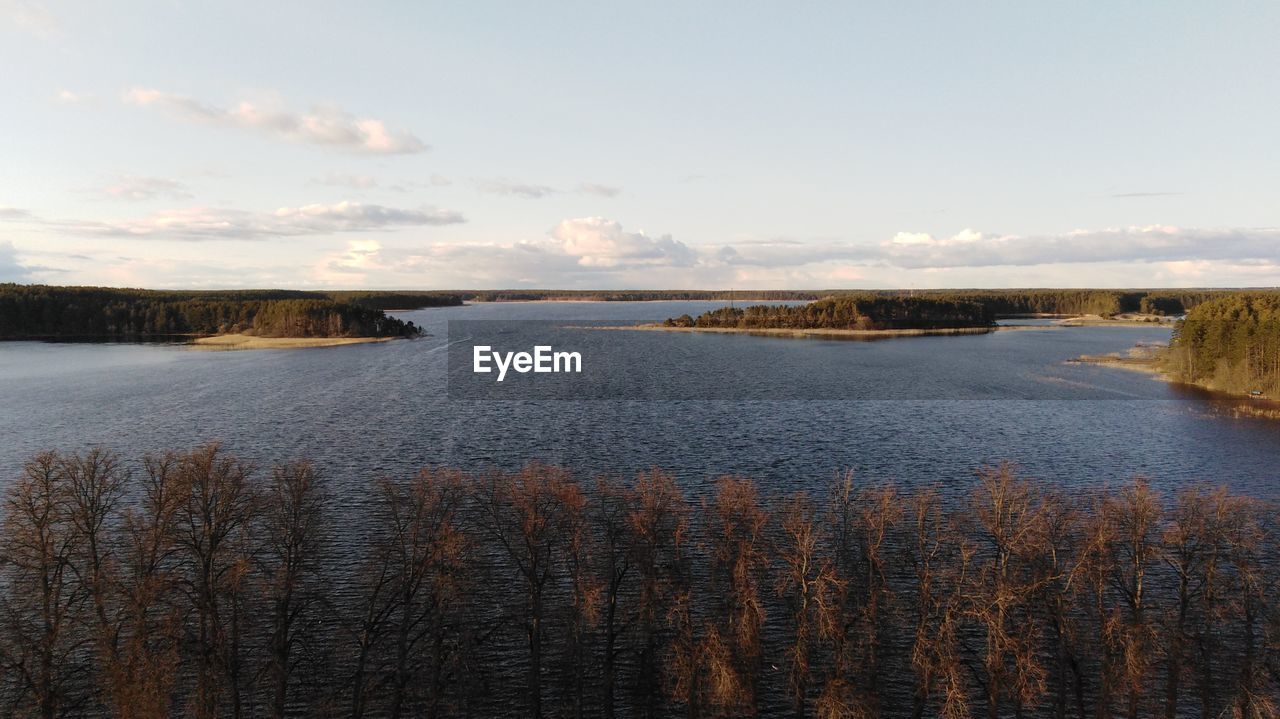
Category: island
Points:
column 236, row 319
column 848, row 315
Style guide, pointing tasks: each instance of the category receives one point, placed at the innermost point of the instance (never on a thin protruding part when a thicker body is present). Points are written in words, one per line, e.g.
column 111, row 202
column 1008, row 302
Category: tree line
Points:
column 196, row 584
column 1231, row 343
column 531, row 295
column 999, row 302
column 1105, row 303
column 925, row 309
column 40, row 311
column 847, row 312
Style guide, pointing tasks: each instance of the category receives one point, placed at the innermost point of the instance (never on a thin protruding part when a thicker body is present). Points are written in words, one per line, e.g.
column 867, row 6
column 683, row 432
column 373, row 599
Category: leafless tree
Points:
column 45, row 607
column 811, row 588
column 212, row 528
column 293, row 518
column 941, row 557
column 526, row 514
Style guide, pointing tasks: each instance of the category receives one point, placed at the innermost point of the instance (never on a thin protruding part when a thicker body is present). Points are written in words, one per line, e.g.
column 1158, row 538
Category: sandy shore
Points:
column 1135, row 364
column 781, row 332
column 1125, row 320
column 249, row 342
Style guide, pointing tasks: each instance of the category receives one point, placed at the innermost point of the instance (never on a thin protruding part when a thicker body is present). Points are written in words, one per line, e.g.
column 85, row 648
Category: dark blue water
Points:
column 933, row 409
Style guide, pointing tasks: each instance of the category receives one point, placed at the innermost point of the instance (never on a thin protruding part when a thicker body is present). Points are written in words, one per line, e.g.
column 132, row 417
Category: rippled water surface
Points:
column 939, row 407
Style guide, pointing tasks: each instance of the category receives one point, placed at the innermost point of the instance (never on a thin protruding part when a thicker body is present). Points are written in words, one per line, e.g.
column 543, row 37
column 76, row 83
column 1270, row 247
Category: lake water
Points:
column 788, row 412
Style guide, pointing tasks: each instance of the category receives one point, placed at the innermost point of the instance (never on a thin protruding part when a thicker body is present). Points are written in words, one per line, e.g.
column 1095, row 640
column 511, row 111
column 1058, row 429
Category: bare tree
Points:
column 659, row 525
column 211, row 530
column 142, row 668
column 526, row 514
column 614, row 503
column 293, row 514
column 1134, row 514
column 941, row 558
column 44, row 605
column 1058, row 575
column 1007, row 517
column 811, row 588
column 735, row 532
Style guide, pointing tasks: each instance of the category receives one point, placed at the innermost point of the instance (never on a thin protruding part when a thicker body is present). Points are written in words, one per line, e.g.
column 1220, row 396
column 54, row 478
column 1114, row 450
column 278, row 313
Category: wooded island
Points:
column 46, row 312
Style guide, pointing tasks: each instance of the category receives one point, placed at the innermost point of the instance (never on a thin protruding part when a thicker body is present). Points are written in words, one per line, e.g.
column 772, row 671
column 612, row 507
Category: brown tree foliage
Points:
column 193, row 583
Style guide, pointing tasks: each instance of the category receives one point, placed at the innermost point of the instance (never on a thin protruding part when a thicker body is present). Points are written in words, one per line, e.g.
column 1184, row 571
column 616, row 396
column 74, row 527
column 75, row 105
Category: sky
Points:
column 690, row 144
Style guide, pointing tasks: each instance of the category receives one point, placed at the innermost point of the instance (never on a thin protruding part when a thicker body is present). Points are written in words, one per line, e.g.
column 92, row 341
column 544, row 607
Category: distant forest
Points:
column 999, row 302
column 39, row 311
column 902, row 309
column 847, row 312
column 638, row 295
column 1230, row 343
column 196, row 585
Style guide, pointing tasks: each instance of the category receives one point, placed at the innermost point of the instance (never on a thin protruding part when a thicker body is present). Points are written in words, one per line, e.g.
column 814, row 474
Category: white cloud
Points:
column 1153, row 243
column 326, row 126
column 68, row 97
column 203, row 223
column 10, row 269
column 912, row 238
column 13, row 213
column 598, row 242
column 598, row 252
column 531, row 191
column 517, row 189
column 591, row 188
column 132, row 187
column 29, row 16
column 338, row 179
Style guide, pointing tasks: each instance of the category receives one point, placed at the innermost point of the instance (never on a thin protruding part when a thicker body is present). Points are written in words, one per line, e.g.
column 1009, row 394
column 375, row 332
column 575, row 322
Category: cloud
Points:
column 13, row 214
column 325, row 126
column 29, row 16
column 591, row 188
column 132, row 187
column 599, row 252
column 68, row 97
column 598, row 242
column 531, row 191
column 517, row 189
column 1146, row 194
column 1153, row 243
column 203, row 223
column 338, row 179
column 10, row 269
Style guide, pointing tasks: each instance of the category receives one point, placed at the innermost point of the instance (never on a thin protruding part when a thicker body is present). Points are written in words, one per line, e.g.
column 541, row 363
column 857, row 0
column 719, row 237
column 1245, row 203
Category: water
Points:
column 932, row 409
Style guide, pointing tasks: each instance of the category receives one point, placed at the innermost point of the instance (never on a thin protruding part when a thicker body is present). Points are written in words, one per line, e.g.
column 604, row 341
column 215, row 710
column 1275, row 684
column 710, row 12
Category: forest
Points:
column 40, row 311
column 999, row 302
column 532, row 295
column 851, row 312
column 1106, row 303
column 195, row 583
column 1231, row 344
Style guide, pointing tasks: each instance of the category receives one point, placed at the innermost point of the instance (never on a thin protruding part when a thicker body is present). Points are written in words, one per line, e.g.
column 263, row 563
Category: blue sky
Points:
column 605, row 145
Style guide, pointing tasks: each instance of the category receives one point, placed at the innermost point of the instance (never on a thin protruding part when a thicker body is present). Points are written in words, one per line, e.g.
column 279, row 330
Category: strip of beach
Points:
column 250, row 342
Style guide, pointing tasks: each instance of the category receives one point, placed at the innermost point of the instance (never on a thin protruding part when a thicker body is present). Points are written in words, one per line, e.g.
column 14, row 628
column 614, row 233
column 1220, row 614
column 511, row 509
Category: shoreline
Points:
column 1123, row 320
column 250, row 342
column 802, row 333
column 1145, row 359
